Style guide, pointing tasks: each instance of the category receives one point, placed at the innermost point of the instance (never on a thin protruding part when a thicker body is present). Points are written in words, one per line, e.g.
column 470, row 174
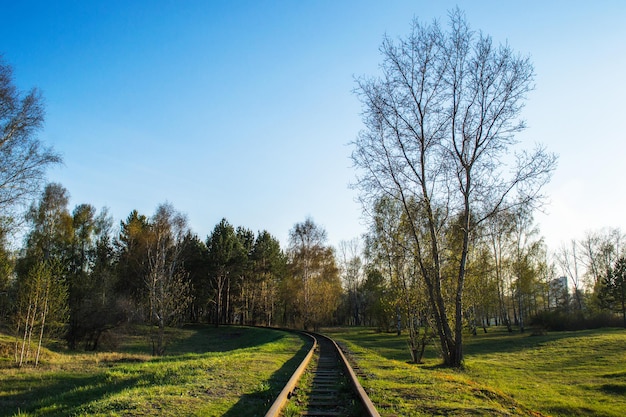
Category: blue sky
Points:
column 245, row 110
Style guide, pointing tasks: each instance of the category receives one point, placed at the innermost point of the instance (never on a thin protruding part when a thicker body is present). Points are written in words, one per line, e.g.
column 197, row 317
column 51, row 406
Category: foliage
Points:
column 313, row 282
column 244, row 272
column 392, row 252
column 194, row 262
column 41, row 306
column 7, row 267
column 131, row 256
column 269, row 267
column 378, row 308
column 225, row 258
column 562, row 320
column 42, row 271
column 92, row 278
column 613, row 295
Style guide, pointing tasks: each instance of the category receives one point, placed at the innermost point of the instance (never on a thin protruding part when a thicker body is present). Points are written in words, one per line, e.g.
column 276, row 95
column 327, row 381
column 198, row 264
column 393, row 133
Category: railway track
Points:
column 324, row 385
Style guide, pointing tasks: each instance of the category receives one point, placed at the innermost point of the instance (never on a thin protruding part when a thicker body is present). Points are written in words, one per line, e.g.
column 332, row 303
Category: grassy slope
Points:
column 559, row 374
column 211, row 372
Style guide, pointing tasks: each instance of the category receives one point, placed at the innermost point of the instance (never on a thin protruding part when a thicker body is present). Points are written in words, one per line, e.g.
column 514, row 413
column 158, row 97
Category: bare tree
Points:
column 166, row 281
column 598, row 252
column 568, row 258
column 23, row 159
column 440, row 125
column 351, row 267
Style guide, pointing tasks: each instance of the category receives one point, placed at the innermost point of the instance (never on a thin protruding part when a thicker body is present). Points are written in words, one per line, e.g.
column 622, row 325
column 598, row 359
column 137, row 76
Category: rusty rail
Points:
column 368, row 408
column 284, row 395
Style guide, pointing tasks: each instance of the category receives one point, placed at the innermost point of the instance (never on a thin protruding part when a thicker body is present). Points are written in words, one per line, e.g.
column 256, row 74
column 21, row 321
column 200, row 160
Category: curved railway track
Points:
column 324, row 385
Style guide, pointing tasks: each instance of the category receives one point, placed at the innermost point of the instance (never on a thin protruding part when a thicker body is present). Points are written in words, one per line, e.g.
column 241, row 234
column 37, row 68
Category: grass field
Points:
column 237, row 371
column 558, row 374
column 229, row 371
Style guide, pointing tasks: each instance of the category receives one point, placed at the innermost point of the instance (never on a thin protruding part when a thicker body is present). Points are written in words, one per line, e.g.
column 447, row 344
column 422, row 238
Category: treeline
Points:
column 512, row 279
column 78, row 276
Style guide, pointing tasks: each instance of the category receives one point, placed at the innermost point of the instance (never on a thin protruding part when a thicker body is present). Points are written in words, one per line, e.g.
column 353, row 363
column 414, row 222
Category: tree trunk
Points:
column 623, row 306
column 44, row 313
column 26, row 324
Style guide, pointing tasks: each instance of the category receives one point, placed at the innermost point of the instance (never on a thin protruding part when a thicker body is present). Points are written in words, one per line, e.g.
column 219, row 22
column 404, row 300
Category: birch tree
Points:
column 41, row 306
column 440, row 132
column 314, row 272
column 392, row 251
column 166, row 281
column 42, row 271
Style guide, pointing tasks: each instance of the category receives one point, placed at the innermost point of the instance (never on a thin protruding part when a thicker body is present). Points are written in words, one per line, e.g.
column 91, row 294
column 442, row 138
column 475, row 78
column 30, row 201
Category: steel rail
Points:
column 368, row 408
column 284, row 395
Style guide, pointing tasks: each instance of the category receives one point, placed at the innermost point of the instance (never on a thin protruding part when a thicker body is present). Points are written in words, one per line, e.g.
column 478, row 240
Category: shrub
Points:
column 560, row 320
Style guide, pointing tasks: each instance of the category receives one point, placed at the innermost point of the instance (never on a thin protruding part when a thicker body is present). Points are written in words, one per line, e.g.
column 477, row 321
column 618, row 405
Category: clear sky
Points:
column 245, row 110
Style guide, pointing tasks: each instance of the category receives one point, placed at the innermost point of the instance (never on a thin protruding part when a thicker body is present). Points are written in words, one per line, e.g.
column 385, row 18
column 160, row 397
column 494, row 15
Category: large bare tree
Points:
column 440, row 124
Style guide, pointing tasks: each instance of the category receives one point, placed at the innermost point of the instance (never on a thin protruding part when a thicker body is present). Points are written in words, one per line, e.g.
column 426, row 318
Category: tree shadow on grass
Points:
column 391, row 346
column 501, row 341
column 258, row 402
column 67, row 395
column 205, row 338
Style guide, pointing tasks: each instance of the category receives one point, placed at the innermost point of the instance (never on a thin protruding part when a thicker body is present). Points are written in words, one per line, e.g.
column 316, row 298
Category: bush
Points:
column 560, row 320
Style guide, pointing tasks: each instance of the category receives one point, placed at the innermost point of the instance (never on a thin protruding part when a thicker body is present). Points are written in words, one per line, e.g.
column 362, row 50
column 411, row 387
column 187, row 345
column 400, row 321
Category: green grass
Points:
column 237, row 371
column 558, row 374
column 230, row 371
column 562, row 374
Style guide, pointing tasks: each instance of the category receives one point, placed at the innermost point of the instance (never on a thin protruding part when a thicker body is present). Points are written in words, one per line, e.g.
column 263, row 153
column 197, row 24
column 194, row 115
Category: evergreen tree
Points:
column 613, row 294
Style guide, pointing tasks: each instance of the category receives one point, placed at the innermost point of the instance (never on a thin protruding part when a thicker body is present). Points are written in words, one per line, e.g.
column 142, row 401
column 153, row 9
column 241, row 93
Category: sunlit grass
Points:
column 236, row 371
column 568, row 374
column 559, row 374
column 211, row 372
